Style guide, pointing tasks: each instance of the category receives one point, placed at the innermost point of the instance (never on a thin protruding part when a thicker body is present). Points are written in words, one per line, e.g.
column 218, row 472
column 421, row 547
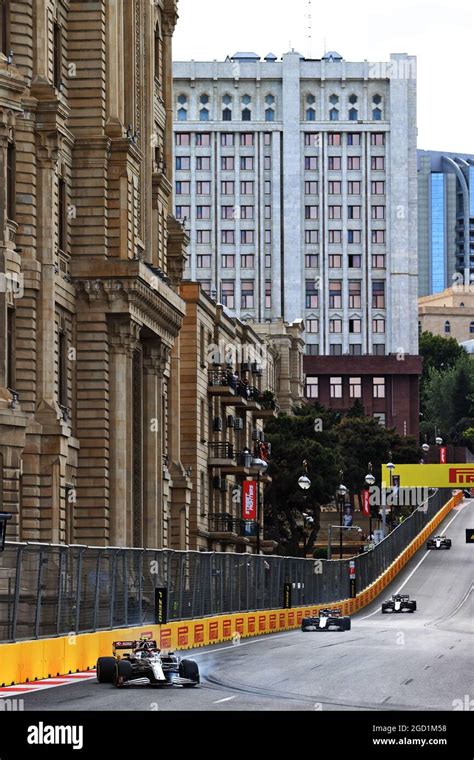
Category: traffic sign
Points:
column 469, row 535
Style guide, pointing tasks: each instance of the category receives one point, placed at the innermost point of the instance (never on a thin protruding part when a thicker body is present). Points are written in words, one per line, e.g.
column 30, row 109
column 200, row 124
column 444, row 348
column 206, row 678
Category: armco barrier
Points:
column 32, row 660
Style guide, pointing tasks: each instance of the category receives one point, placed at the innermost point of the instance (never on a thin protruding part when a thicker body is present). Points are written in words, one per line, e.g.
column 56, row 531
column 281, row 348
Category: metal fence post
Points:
column 140, row 588
column 38, row 594
column 96, row 597
column 17, row 591
column 112, row 594
column 78, row 589
column 60, row 591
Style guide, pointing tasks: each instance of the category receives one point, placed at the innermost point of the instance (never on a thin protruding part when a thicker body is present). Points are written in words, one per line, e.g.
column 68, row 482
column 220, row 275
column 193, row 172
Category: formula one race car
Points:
column 328, row 620
column 439, row 542
column 399, row 603
column 145, row 664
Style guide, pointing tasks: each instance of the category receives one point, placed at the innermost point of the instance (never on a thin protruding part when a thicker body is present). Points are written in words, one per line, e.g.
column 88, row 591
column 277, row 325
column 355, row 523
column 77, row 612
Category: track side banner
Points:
column 429, row 475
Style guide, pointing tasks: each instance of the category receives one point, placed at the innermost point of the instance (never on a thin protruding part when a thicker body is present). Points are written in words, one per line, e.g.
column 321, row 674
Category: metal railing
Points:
column 48, row 590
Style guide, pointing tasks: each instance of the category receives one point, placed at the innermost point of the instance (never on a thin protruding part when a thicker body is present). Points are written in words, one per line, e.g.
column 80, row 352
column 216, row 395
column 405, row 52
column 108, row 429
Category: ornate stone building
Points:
column 90, row 267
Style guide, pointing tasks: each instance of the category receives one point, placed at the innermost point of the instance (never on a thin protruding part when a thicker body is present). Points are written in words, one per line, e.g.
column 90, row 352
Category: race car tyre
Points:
column 384, row 610
column 105, row 669
column 448, row 544
column 413, row 606
column 189, row 669
column 123, row 672
column 347, row 624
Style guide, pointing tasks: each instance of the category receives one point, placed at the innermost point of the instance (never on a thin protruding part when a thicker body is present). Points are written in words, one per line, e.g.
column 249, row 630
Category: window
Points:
column 268, row 237
column 355, row 325
column 311, row 260
column 311, row 295
column 203, row 212
column 378, row 212
column 378, row 236
column 355, row 349
column 247, row 294
column 353, row 138
column 246, row 163
column 11, row 380
column 228, row 237
column 355, row 292
column 335, row 212
column 203, row 163
column 378, row 261
column 335, row 260
column 311, row 188
column 4, row 27
column 334, row 114
column 267, row 138
column 227, row 187
column 377, row 188
column 378, row 294
column 228, row 293
column 353, row 114
column 335, row 387
column 310, row 114
column 311, row 237
column 447, row 327
column 312, row 349
column 246, row 188
column 228, row 261
column 312, row 387
column 353, row 187
column 227, row 140
column 378, row 325
column 227, row 212
column 10, row 189
column 203, row 237
column 203, row 261
column 268, row 212
column 353, row 99
column 204, row 114
column 227, row 163
column 471, row 327
column 182, row 99
column 268, row 294
column 335, row 294
column 334, row 138
column 203, row 188
column 206, row 287
column 183, row 139
column 310, row 212
column 353, row 212
column 183, row 163
column 203, row 139
column 380, row 417
column 335, row 349
column 377, row 114
column 311, row 139
column 246, row 139
column 268, row 260
column 247, row 237
column 247, row 261
column 267, row 163
column 62, row 214
column 226, row 114
column 269, row 114
column 379, row 387
column 377, row 163
column 182, row 114
column 353, row 162
column 335, row 325
column 268, row 187
column 379, row 349
column 57, row 56
column 334, row 188
column 311, row 163
column 183, row 212
column 62, row 369
column 377, row 138
column 312, row 325
column 335, row 236
column 334, row 163
column 354, row 236
column 355, row 261
column 355, row 387
column 183, row 188
column 246, row 212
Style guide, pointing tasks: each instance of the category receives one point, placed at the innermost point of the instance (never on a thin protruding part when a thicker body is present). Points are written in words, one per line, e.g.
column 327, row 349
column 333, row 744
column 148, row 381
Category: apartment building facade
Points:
column 91, row 260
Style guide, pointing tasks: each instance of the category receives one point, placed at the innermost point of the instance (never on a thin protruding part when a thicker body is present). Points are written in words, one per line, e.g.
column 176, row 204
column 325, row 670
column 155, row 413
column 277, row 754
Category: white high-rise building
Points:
column 298, row 182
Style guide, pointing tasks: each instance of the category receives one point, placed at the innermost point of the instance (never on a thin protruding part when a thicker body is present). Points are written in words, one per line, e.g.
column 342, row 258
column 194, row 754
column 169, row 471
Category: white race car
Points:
column 439, row 542
column 328, row 620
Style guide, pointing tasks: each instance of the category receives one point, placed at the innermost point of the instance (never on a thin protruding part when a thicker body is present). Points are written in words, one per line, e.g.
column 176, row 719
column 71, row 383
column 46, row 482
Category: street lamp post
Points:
column 341, row 494
column 341, row 528
column 304, row 483
column 260, row 466
column 370, row 480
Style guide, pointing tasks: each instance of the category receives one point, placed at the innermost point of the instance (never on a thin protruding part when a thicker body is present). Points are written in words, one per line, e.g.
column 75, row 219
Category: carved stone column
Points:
column 123, row 338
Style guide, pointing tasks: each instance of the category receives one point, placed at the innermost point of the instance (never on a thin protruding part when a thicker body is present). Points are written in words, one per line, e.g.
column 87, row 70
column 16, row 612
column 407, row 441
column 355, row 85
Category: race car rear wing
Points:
column 134, row 644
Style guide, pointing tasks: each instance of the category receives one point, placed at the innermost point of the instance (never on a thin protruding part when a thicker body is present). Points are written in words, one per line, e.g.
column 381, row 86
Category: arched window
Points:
column 269, row 114
column 204, row 114
column 377, row 111
column 377, row 114
column 310, row 114
column 183, row 110
column 158, row 58
column 353, row 114
column 227, row 110
column 226, row 114
column 246, row 114
column 182, row 114
column 334, row 114
column 447, row 327
column 353, row 99
column 270, row 100
column 4, row 28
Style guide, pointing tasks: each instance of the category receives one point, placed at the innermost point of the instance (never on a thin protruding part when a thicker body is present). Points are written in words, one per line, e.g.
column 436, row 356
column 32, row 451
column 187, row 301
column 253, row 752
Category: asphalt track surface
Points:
column 419, row 661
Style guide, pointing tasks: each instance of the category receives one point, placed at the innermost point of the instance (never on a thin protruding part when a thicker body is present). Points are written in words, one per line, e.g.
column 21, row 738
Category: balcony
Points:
column 221, row 454
column 228, row 387
column 267, row 407
column 224, row 527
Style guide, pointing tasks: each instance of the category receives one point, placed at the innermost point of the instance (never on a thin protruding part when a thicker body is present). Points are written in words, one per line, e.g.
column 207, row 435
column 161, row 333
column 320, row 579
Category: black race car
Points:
column 328, row 620
column 145, row 664
column 399, row 603
column 439, row 542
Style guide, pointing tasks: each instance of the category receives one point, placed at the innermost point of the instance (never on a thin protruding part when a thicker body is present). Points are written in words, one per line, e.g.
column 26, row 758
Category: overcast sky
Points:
column 439, row 33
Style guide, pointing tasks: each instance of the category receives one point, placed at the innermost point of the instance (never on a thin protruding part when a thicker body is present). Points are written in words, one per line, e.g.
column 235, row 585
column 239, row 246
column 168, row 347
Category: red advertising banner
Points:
column 249, row 500
column 366, row 503
column 442, row 455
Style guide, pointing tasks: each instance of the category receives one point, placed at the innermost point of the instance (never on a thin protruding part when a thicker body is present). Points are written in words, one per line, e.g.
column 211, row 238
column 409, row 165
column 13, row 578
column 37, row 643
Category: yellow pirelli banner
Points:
column 429, row 475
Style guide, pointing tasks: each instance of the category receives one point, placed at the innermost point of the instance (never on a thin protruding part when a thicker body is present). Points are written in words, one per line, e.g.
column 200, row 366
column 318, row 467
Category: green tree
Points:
column 439, row 355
